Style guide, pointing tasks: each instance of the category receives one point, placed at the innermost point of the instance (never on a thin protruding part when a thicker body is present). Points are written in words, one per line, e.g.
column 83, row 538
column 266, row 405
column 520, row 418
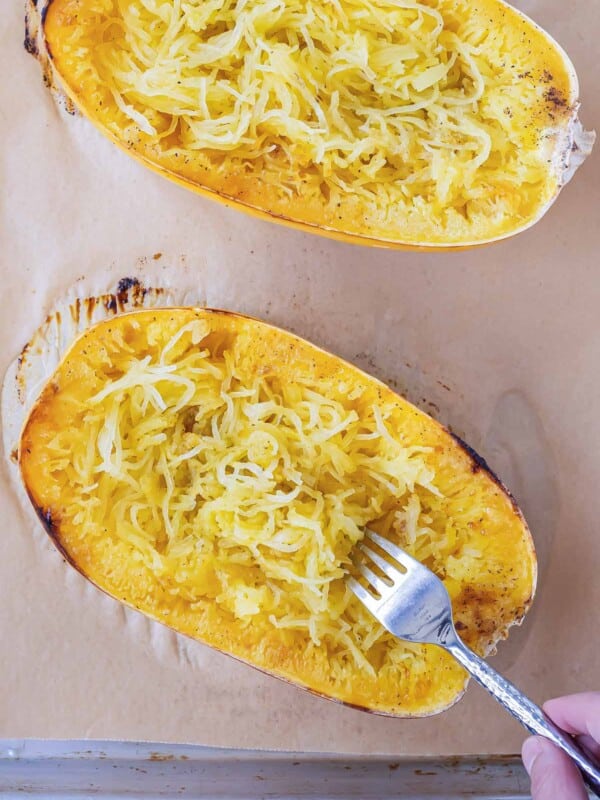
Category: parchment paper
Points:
column 501, row 343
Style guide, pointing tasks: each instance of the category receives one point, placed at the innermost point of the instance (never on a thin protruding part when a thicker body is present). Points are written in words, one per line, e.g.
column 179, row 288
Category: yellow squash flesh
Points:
column 426, row 123
column 215, row 473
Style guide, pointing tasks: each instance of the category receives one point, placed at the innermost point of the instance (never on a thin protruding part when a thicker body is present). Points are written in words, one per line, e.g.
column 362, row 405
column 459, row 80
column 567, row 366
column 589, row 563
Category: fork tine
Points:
column 401, row 556
column 376, row 582
column 389, row 570
column 363, row 595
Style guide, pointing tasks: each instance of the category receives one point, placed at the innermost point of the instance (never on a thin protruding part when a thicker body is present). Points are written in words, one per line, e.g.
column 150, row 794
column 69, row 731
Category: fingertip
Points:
column 576, row 713
column 553, row 775
column 530, row 751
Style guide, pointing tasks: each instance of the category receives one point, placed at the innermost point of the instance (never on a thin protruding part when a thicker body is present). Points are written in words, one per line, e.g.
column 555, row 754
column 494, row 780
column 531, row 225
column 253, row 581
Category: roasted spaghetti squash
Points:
column 392, row 122
column 215, row 473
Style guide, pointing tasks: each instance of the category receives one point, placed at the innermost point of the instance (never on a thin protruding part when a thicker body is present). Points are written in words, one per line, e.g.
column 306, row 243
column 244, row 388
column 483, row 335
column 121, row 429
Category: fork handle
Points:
column 526, row 711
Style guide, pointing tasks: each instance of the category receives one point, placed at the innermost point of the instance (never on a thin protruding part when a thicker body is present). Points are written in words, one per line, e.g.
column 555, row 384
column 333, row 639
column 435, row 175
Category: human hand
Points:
column 553, row 774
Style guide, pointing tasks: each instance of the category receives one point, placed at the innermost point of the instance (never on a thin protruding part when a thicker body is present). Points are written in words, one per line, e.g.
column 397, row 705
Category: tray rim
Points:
column 69, row 769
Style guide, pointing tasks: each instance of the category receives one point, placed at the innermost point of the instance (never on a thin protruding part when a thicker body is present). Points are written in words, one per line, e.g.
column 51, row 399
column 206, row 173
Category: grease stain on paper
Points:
column 518, row 447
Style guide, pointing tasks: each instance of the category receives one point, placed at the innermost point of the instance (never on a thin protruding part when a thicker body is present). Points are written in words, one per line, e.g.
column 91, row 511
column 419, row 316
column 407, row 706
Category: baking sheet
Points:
column 119, row 770
column 501, row 343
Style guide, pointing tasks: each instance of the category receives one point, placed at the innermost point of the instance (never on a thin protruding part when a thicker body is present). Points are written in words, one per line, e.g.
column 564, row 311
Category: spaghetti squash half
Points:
column 215, row 473
column 392, row 122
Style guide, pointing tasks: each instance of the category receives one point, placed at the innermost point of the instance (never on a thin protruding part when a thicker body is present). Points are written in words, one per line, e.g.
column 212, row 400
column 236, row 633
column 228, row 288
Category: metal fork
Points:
column 413, row 604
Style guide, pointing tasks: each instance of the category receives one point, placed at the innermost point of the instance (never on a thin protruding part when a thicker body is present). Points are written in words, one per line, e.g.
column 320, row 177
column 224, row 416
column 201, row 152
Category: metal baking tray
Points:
column 72, row 770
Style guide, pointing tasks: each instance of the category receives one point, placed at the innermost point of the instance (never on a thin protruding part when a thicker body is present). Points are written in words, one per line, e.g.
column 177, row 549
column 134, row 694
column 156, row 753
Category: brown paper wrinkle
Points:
column 23, row 382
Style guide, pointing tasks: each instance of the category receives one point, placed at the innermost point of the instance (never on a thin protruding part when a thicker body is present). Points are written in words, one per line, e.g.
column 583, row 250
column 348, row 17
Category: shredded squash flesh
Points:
column 234, row 490
column 429, row 118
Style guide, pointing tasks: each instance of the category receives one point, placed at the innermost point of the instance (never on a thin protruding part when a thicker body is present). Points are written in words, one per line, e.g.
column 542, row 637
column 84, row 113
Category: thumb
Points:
column 553, row 774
